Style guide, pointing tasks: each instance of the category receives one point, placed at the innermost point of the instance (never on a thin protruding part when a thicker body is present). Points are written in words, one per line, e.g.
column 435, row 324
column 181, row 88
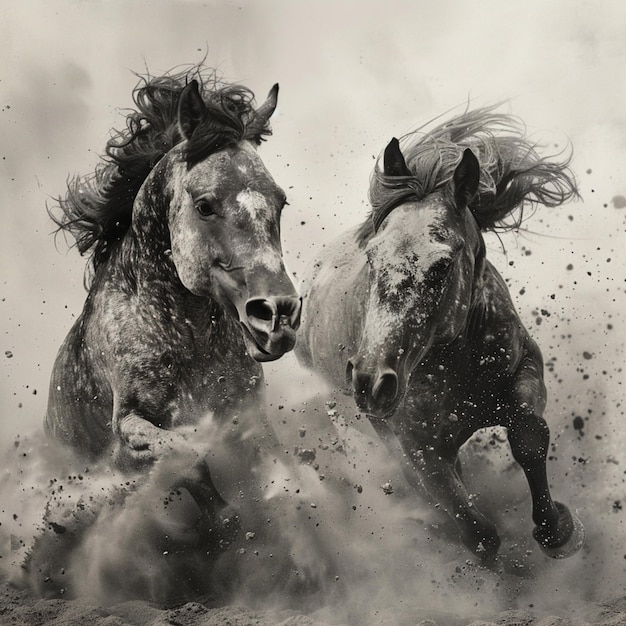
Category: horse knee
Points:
column 128, row 459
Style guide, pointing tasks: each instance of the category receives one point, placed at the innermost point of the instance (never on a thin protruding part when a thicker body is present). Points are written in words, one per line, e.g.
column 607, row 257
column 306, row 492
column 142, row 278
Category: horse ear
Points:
column 466, row 178
column 191, row 109
column 393, row 161
column 257, row 126
column 266, row 110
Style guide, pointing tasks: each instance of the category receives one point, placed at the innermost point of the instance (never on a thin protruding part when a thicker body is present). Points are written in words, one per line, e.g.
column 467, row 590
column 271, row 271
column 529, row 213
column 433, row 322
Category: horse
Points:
column 406, row 313
column 187, row 289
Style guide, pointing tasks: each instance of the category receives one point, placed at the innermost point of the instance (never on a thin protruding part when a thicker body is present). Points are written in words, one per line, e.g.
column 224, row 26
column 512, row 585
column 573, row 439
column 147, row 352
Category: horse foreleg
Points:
column 558, row 532
column 141, row 443
column 433, row 473
column 219, row 522
column 446, row 489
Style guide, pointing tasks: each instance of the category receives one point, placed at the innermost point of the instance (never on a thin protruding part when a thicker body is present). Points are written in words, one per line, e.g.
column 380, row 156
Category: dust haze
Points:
column 346, row 542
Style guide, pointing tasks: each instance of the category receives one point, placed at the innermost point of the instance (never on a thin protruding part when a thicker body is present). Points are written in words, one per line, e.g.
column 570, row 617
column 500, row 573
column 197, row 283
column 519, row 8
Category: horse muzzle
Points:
column 376, row 393
column 269, row 326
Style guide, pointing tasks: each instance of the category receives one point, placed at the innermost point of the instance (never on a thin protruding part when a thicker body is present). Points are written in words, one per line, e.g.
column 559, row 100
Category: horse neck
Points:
column 146, row 260
column 148, row 236
column 477, row 298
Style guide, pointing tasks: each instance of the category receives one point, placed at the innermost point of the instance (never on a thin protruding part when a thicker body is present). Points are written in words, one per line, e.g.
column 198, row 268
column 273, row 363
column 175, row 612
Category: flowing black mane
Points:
column 513, row 175
column 97, row 208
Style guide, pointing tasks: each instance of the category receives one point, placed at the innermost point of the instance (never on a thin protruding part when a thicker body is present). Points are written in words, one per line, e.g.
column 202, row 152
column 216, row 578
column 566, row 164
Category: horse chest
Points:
column 171, row 364
column 453, row 390
column 219, row 387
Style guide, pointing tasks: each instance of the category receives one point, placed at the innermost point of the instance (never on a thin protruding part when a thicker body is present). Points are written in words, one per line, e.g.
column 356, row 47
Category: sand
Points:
column 18, row 607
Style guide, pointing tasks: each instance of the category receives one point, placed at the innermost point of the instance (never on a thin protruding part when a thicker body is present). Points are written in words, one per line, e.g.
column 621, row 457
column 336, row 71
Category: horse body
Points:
column 407, row 314
column 157, row 352
column 187, row 301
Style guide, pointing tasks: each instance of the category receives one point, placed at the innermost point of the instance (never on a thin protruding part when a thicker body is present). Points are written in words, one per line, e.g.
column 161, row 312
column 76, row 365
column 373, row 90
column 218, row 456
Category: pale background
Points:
column 352, row 74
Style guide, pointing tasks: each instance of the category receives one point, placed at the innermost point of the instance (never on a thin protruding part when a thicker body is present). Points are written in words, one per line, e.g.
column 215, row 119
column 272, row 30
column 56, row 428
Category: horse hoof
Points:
column 568, row 538
column 485, row 546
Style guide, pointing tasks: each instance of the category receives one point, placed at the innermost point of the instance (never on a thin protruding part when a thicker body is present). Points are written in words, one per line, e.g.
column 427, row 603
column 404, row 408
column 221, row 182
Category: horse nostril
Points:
column 385, row 388
column 268, row 314
column 288, row 310
column 295, row 304
column 374, row 394
column 349, row 370
column 261, row 309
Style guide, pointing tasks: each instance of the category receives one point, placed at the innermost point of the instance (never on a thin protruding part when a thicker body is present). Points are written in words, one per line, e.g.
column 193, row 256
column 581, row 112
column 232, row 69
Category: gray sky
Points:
column 352, row 74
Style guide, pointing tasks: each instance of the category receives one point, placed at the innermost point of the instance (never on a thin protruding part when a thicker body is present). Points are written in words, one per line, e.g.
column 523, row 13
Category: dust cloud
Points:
column 328, row 527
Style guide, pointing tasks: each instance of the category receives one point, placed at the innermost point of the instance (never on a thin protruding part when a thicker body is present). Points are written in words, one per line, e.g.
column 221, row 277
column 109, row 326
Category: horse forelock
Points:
column 97, row 208
column 513, row 175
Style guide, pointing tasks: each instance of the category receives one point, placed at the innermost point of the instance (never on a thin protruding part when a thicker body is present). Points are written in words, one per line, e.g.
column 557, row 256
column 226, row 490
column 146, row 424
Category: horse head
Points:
column 420, row 263
column 224, row 223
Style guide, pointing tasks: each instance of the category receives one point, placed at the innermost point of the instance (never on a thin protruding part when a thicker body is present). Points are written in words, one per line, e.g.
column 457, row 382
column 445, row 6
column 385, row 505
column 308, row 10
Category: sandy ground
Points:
column 17, row 607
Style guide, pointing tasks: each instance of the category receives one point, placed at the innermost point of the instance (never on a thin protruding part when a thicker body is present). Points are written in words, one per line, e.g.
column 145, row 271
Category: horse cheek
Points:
column 192, row 255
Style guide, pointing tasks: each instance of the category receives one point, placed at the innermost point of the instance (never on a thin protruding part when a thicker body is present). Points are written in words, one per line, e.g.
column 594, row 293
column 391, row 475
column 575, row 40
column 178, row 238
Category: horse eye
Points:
column 204, row 208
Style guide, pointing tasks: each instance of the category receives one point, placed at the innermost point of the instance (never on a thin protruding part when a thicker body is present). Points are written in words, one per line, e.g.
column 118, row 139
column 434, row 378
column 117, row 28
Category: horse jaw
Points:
column 258, row 353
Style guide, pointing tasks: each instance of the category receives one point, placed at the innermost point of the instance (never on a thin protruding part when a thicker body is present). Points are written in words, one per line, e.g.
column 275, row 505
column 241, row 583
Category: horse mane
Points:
column 513, row 176
column 97, row 208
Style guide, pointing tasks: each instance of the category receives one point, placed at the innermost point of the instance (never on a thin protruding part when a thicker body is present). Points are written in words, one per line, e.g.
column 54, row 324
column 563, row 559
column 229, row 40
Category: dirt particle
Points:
column 387, row 488
column 619, row 202
column 306, row 455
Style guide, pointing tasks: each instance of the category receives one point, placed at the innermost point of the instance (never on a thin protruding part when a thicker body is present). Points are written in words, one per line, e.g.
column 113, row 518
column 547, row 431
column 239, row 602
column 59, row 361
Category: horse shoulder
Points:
column 80, row 398
column 499, row 336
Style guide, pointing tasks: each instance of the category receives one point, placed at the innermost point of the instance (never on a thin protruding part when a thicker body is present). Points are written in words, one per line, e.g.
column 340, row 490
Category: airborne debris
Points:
column 59, row 529
column 619, row 202
column 306, row 455
column 387, row 488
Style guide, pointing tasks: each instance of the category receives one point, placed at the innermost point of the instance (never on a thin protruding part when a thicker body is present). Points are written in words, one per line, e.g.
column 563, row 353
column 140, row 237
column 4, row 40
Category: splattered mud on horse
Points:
column 188, row 292
column 407, row 314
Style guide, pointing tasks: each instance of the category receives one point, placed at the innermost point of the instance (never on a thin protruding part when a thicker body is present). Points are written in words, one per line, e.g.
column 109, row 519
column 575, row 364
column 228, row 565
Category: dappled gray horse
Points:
column 408, row 315
column 187, row 290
